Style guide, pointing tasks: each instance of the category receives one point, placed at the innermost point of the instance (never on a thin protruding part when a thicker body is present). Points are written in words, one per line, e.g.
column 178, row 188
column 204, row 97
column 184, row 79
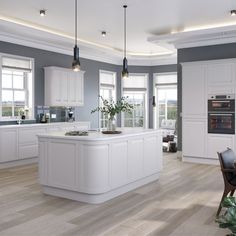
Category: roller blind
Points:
column 165, row 79
column 16, row 63
column 107, row 79
column 135, row 83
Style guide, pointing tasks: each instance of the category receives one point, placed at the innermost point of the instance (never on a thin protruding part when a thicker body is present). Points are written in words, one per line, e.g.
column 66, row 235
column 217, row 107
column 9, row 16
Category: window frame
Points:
column 14, row 118
column 99, row 89
column 155, row 117
column 146, row 103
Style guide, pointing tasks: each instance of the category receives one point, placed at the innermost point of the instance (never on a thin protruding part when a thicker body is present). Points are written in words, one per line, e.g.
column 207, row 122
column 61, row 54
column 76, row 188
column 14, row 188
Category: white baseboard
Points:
column 21, row 162
column 200, row 160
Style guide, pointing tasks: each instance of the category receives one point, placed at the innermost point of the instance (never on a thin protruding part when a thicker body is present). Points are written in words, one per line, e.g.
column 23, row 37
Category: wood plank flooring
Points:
column 182, row 203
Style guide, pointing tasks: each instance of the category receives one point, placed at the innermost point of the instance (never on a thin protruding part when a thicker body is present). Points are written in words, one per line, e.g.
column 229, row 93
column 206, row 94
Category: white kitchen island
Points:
column 98, row 167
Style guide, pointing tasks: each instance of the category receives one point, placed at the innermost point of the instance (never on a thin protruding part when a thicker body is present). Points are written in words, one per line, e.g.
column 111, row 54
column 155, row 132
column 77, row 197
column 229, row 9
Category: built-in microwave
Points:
column 221, row 103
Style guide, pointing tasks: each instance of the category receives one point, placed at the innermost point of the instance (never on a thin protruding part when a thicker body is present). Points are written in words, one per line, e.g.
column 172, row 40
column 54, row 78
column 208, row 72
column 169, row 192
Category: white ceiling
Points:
column 147, row 21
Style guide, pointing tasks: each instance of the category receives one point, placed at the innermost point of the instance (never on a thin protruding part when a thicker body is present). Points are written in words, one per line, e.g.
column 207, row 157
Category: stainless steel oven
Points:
column 221, row 123
column 221, row 103
column 221, row 114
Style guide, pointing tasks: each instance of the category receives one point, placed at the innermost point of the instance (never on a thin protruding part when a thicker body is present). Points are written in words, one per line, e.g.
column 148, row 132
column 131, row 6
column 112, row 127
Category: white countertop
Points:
column 42, row 124
column 99, row 136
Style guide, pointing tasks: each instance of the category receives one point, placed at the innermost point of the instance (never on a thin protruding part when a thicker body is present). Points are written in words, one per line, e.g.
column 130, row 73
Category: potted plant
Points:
column 228, row 219
column 110, row 108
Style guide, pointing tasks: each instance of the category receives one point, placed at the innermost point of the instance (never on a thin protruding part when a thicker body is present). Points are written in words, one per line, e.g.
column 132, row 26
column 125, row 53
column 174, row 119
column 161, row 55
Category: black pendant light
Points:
column 125, row 73
column 76, row 62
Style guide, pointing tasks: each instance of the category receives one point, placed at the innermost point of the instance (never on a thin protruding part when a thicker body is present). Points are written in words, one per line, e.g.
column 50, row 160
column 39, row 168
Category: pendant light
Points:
column 76, row 62
column 125, row 73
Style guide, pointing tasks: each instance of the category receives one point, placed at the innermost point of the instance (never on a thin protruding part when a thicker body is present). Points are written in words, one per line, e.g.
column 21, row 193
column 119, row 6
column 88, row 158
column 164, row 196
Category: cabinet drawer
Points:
column 28, row 151
column 29, row 136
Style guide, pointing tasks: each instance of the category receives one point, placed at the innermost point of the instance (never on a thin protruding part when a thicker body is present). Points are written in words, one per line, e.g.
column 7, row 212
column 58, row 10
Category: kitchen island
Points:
column 98, row 167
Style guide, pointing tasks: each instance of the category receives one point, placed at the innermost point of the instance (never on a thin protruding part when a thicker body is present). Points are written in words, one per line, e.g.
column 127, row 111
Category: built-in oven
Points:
column 221, row 114
column 221, row 123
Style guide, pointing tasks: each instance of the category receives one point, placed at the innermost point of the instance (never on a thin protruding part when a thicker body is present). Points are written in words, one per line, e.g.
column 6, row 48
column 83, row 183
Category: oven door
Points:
column 227, row 105
column 221, row 123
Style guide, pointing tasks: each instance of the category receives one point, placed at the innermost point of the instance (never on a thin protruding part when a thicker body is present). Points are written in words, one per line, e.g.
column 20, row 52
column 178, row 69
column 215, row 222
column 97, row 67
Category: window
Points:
column 166, row 94
column 107, row 82
column 135, row 88
column 16, row 86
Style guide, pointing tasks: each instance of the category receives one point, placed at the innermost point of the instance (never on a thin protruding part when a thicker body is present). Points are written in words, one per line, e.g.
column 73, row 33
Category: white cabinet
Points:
column 8, row 144
column 21, row 141
column 63, row 87
column 194, row 137
column 62, row 166
column 221, row 77
column 28, row 141
column 218, row 143
column 194, row 91
column 199, row 80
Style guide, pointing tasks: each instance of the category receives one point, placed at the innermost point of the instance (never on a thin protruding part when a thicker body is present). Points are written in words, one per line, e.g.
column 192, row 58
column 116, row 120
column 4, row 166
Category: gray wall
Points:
column 45, row 58
column 214, row 52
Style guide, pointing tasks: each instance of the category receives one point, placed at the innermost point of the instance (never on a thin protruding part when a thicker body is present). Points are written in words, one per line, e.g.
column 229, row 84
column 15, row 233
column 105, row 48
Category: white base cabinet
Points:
column 19, row 142
column 8, row 144
column 194, row 137
column 97, row 167
column 218, row 143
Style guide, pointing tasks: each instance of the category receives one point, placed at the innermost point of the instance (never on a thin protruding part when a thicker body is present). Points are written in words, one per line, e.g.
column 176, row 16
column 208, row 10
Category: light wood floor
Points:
column 182, row 203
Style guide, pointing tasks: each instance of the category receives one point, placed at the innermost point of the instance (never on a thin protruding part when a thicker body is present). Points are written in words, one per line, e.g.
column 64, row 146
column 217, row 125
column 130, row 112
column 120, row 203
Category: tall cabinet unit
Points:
column 199, row 80
column 63, row 87
column 194, row 110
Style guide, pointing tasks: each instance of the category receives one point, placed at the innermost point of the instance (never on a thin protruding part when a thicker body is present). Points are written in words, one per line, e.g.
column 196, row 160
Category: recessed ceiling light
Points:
column 42, row 12
column 104, row 33
column 233, row 12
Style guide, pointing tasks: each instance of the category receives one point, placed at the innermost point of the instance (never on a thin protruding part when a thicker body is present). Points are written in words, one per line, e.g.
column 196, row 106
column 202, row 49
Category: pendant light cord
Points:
column 125, row 6
column 76, row 22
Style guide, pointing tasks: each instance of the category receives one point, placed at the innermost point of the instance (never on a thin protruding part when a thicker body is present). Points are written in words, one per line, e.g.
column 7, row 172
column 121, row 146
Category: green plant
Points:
column 228, row 219
column 111, row 108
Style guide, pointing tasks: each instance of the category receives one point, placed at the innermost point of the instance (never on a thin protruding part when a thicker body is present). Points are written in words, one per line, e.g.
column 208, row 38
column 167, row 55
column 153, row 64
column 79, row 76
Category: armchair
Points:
column 227, row 160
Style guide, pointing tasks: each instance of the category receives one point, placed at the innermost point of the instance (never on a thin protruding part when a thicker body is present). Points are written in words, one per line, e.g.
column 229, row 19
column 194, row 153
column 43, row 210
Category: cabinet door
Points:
column 8, row 145
column 76, row 89
column 220, row 74
column 194, row 137
column 218, row 143
column 80, row 89
column 64, row 87
column 72, row 88
column 28, row 141
column 194, row 91
column 136, row 159
column 150, row 158
column 53, row 93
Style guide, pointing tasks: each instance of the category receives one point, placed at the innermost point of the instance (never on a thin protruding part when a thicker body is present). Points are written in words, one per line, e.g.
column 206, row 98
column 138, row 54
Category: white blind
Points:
column 107, row 79
column 138, row 82
column 166, row 79
column 16, row 63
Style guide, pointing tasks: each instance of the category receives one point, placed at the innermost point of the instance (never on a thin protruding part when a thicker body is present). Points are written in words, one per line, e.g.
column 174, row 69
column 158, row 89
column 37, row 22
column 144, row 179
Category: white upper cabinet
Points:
column 63, row 87
column 194, row 91
column 221, row 77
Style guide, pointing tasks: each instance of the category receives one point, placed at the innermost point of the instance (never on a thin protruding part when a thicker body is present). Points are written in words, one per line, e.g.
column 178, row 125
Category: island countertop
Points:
column 98, row 167
column 99, row 136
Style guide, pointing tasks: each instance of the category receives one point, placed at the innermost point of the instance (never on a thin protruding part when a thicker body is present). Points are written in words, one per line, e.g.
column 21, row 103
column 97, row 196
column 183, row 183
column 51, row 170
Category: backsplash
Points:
column 56, row 114
column 53, row 114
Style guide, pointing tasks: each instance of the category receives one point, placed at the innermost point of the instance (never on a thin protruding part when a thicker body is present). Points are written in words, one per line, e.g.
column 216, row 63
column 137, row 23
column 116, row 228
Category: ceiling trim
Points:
column 196, row 38
column 87, row 52
column 12, row 26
